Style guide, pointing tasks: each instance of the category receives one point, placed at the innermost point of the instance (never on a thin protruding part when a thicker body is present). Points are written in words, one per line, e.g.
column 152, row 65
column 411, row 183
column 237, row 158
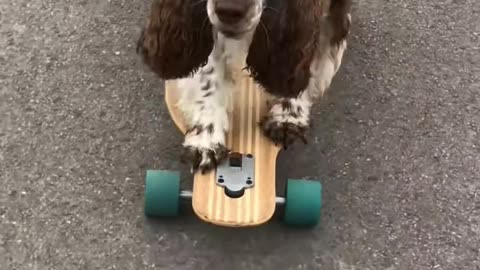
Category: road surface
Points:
column 396, row 142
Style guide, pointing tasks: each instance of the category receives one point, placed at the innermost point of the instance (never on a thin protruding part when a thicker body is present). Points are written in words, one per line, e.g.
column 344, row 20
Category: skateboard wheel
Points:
column 303, row 202
column 162, row 193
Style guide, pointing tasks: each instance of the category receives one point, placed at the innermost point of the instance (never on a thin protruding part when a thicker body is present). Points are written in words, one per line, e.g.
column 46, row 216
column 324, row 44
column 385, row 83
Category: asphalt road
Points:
column 396, row 143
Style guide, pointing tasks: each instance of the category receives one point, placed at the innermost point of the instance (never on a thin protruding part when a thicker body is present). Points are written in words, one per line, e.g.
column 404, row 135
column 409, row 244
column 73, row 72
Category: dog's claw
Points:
column 203, row 159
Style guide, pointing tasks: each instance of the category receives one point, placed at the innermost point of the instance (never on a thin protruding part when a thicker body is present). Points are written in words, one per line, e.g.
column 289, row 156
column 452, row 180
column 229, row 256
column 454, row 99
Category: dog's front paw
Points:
column 204, row 159
column 286, row 123
column 203, row 150
column 283, row 133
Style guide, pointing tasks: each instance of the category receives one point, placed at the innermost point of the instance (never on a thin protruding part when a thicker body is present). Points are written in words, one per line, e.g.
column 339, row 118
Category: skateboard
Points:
column 240, row 192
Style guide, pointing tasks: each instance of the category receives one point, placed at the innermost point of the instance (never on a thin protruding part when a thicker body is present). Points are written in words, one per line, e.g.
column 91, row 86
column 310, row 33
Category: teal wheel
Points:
column 162, row 193
column 303, row 202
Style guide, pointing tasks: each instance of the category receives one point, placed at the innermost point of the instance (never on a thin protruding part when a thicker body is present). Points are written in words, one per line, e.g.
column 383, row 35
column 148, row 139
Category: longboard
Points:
column 245, row 138
column 240, row 192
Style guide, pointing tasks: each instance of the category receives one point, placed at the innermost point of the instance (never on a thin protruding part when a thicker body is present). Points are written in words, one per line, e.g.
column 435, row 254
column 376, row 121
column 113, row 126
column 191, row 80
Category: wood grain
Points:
column 209, row 201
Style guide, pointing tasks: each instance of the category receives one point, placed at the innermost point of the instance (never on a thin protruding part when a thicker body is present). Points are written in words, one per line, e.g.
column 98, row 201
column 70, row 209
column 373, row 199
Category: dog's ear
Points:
column 177, row 38
column 283, row 46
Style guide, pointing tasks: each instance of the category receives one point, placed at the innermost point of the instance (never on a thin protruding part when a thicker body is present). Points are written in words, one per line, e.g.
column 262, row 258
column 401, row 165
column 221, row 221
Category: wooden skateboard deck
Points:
column 209, row 201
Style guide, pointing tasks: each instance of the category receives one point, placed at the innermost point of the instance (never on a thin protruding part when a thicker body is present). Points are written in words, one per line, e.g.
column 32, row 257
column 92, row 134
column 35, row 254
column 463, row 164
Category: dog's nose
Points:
column 231, row 12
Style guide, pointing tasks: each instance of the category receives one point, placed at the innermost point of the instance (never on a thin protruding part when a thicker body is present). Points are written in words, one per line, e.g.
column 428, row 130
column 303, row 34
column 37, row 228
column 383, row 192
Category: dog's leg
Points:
column 205, row 103
column 289, row 118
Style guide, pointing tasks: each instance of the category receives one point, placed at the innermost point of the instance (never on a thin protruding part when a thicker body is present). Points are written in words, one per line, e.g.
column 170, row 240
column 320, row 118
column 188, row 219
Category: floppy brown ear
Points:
column 177, row 38
column 283, row 46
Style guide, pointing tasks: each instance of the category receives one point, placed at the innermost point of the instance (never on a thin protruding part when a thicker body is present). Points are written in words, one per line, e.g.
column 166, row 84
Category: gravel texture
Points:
column 396, row 144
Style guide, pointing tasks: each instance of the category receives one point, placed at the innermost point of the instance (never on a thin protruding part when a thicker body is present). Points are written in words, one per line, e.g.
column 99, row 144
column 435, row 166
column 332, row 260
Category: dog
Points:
column 291, row 48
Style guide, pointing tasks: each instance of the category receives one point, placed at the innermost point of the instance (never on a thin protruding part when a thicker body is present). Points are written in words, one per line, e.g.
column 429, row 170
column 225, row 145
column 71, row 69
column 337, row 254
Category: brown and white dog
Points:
column 292, row 48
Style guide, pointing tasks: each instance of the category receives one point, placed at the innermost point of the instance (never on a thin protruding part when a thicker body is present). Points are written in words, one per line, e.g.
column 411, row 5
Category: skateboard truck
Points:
column 236, row 174
column 301, row 203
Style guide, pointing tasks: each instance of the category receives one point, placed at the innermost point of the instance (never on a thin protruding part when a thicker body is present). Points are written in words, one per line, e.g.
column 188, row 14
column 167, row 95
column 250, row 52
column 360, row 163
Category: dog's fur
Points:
column 292, row 48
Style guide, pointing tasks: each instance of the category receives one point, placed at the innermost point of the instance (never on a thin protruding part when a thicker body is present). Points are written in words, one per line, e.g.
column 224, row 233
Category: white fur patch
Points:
column 298, row 113
column 324, row 68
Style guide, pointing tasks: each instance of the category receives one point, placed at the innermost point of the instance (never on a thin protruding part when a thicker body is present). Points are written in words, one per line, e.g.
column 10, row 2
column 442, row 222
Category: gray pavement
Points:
column 396, row 143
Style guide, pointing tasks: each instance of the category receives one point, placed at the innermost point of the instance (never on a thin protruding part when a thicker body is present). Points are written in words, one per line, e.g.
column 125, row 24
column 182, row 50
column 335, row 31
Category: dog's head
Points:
column 234, row 18
column 178, row 36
